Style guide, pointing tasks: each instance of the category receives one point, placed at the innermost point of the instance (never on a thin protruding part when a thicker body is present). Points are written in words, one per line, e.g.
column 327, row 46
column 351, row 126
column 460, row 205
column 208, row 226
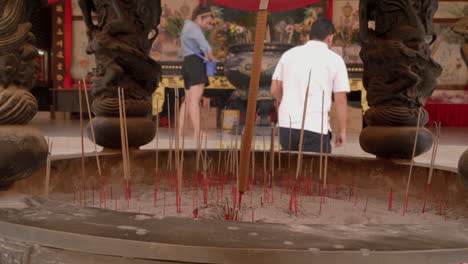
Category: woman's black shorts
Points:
column 194, row 71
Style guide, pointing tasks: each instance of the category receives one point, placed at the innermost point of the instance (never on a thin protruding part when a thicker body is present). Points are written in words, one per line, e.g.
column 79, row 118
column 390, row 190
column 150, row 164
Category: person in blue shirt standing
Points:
column 194, row 44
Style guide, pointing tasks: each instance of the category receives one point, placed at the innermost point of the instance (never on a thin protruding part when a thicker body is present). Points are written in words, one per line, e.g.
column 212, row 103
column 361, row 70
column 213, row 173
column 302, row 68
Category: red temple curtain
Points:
column 273, row 6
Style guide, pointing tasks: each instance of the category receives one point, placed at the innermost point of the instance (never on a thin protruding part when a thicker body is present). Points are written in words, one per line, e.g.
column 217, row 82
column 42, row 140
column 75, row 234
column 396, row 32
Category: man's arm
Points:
column 341, row 104
column 277, row 90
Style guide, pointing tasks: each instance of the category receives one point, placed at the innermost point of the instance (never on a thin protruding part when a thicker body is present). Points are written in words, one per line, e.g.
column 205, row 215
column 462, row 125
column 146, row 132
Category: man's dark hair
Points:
column 321, row 28
column 199, row 10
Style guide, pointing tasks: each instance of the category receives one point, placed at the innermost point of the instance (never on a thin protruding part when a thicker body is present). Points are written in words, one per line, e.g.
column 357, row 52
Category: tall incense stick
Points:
column 93, row 135
column 405, row 207
column 435, row 147
column 127, row 151
column 434, row 152
column 220, row 151
column 264, row 158
column 80, row 98
column 279, row 150
column 253, row 151
column 169, row 164
column 321, row 137
column 325, row 172
column 47, row 179
column 289, row 146
column 177, row 152
column 301, row 138
column 272, row 156
column 122, row 136
column 183, row 136
column 157, row 138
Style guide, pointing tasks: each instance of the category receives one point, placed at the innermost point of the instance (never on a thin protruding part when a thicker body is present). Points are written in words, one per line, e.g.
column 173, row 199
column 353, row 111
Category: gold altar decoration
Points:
column 221, row 82
column 176, row 81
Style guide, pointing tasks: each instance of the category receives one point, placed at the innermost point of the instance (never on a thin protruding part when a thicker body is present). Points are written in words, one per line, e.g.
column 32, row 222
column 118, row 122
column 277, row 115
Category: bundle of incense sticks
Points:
column 435, row 147
column 405, row 206
column 124, row 143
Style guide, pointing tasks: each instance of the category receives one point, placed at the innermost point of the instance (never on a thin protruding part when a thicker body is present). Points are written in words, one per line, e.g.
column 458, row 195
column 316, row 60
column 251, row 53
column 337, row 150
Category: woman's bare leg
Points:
column 183, row 113
column 196, row 92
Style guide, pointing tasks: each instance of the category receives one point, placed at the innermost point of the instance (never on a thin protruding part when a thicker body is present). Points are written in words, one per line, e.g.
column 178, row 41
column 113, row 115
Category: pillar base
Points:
column 395, row 142
column 140, row 131
column 24, row 150
column 463, row 168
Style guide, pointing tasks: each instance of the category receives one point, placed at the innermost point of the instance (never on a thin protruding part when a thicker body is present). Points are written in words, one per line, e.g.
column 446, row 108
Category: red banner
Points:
column 273, row 5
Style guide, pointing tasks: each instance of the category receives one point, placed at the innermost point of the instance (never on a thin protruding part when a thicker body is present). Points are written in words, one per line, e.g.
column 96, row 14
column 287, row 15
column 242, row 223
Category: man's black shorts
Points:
column 311, row 140
column 194, row 71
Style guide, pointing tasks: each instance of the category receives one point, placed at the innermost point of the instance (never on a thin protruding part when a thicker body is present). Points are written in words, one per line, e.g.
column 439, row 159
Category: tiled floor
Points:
column 65, row 135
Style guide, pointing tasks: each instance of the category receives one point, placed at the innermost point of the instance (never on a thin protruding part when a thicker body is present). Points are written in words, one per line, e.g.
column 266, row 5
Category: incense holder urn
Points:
column 238, row 67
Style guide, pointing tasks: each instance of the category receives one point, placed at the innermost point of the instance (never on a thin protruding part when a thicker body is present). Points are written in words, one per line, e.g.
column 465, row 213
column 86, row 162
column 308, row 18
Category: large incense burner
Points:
column 65, row 227
column 182, row 206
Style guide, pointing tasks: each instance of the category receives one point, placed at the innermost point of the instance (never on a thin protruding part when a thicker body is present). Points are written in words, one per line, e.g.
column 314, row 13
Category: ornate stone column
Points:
column 23, row 148
column 399, row 74
column 121, row 39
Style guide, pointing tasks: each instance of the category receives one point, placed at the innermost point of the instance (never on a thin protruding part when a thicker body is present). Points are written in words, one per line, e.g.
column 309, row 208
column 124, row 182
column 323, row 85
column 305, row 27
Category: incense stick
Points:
column 301, row 138
column 435, row 146
column 123, row 142
column 289, row 147
column 220, row 147
column 272, row 155
column 434, row 151
column 405, row 207
column 47, row 179
column 127, row 152
column 264, row 159
column 81, row 138
column 169, row 164
column 252, row 152
column 157, row 138
column 93, row 135
column 279, row 150
column 321, row 137
column 325, row 172
column 177, row 153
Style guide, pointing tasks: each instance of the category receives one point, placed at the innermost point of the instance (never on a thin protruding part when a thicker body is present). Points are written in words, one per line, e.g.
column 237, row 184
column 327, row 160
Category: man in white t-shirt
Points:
column 312, row 64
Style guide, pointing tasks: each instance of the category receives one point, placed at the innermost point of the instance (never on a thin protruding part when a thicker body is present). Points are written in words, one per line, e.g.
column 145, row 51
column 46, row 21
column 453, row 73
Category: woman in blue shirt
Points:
column 194, row 44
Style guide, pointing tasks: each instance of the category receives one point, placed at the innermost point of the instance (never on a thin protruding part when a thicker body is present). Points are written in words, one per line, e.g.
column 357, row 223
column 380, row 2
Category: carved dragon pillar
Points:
column 399, row 74
column 121, row 39
column 23, row 148
column 461, row 27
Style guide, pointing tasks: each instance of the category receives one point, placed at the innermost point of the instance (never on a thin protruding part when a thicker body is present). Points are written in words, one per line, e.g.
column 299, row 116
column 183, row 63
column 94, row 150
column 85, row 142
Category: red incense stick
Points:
column 390, row 200
column 365, row 207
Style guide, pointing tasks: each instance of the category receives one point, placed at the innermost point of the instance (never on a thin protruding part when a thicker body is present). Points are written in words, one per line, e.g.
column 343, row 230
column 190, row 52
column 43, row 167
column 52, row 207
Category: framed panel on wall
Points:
column 346, row 20
column 447, row 49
